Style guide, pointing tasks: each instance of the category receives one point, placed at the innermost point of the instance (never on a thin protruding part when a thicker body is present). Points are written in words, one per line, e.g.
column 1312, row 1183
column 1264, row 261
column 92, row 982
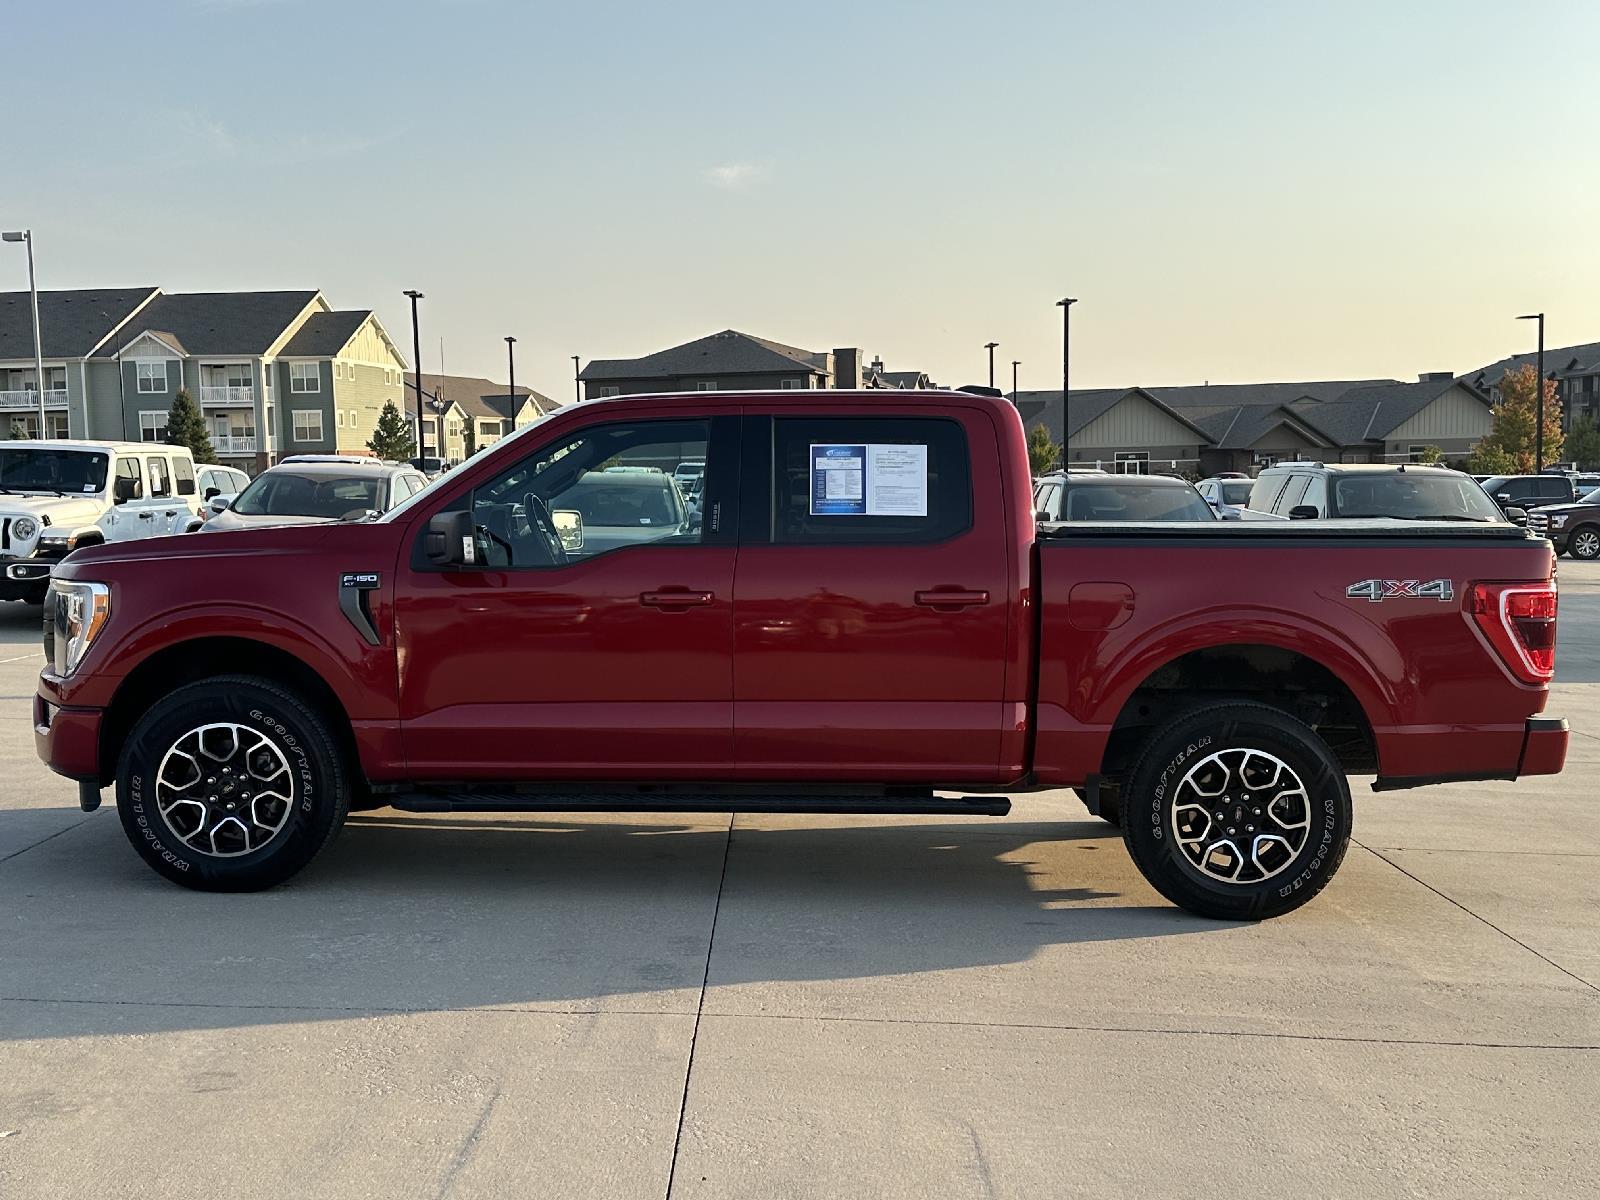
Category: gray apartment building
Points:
column 274, row 373
column 1576, row 370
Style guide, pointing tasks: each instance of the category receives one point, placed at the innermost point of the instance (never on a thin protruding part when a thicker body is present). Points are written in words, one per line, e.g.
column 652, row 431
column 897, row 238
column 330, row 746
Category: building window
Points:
column 152, row 376
column 789, row 385
column 305, row 377
column 352, row 418
column 307, row 425
column 609, row 390
column 706, row 385
column 153, row 426
column 340, row 418
column 1133, row 462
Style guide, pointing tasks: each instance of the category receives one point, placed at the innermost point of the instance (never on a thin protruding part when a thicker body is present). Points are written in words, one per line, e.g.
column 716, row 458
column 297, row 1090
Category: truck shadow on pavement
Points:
column 558, row 914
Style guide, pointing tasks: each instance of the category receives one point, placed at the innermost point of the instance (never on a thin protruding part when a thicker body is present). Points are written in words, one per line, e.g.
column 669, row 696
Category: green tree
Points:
column 1490, row 460
column 392, row 439
column 1043, row 454
column 18, row 430
column 1516, row 418
column 1431, row 454
column 186, row 427
column 1583, row 446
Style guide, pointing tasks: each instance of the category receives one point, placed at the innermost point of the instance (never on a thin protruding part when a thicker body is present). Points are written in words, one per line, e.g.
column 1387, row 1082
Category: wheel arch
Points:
column 195, row 659
column 1283, row 677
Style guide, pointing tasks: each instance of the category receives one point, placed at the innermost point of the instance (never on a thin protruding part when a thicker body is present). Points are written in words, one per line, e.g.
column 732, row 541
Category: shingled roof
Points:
column 236, row 323
column 1212, row 395
column 325, row 334
column 1088, row 405
column 1563, row 360
column 480, row 398
column 71, row 323
column 727, row 353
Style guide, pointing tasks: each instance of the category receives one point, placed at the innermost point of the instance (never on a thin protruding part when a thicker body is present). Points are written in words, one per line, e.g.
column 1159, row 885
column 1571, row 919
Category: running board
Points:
column 727, row 802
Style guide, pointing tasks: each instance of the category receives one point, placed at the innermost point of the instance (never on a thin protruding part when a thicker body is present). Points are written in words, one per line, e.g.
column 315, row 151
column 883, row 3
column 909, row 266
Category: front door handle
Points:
column 951, row 599
column 674, row 599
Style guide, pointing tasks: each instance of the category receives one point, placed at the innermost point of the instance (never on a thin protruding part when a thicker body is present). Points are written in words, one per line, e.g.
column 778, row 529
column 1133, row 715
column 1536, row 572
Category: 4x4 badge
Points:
column 1379, row 590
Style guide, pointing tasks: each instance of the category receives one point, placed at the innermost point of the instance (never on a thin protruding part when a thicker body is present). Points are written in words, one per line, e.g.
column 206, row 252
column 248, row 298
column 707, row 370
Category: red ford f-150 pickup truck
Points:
column 857, row 613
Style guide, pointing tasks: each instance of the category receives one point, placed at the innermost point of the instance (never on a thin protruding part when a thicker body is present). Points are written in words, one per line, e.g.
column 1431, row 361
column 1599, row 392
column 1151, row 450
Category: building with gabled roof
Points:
column 726, row 361
column 1576, row 370
column 461, row 414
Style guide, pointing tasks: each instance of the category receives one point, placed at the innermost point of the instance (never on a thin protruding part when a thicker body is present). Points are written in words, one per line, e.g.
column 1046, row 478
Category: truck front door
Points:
column 872, row 599
column 591, row 635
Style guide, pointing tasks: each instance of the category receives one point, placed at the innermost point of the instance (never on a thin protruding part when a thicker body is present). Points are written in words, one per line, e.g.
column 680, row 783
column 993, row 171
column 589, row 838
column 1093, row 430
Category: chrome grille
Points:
column 1538, row 522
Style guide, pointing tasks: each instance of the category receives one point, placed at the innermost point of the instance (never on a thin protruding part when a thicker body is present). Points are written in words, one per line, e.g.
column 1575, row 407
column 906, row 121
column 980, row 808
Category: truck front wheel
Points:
column 1238, row 812
column 231, row 784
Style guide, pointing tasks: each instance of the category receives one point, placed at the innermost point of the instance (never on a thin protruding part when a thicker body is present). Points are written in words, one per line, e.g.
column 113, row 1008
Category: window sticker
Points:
column 869, row 480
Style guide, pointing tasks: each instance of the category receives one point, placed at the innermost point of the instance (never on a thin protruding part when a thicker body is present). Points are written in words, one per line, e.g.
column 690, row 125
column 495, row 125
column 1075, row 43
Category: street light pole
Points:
column 989, row 346
column 1065, row 305
column 26, row 236
column 577, row 387
column 1538, row 429
column 511, row 367
column 416, row 365
column 1015, row 363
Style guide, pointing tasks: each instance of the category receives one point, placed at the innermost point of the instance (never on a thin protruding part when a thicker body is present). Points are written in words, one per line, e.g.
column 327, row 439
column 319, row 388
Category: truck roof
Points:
column 101, row 447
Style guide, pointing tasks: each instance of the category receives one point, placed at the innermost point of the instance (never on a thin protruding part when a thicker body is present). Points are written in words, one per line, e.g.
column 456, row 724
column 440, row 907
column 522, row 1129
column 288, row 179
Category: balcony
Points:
column 229, row 444
column 214, row 396
column 27, row 398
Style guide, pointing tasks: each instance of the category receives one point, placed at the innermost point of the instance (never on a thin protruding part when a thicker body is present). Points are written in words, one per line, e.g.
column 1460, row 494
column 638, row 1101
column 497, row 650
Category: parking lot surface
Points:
column 638, row 1006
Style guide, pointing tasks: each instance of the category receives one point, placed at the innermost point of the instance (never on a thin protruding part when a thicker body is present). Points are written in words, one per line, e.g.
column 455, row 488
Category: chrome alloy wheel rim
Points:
column 1241, row 816
column 1587, row 544
column 225, row 790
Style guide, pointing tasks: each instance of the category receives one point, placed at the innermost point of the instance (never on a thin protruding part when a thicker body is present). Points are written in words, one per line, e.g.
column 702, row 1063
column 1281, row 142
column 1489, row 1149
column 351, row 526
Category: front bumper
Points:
column 68, row 739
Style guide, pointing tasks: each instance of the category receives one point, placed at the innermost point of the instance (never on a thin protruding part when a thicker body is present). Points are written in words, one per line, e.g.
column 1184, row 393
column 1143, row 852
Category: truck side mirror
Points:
column 126, row 489
column 1517, row 516
column 450, row 540
column 213, row 491
column 1304, row 512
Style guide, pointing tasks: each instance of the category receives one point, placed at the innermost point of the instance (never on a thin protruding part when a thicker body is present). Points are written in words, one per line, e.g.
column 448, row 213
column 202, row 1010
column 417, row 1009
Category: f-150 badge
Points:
column 1379, row 590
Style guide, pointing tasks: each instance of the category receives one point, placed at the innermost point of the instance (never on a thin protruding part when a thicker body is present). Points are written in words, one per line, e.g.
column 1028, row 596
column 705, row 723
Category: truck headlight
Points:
column 23, row 528
column 1558, row 521
column 81, row 612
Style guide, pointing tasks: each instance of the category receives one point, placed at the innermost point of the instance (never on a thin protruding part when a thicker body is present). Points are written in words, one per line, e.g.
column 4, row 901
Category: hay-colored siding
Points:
column 368, row 375
column 1133, row 423
column 1454, row 417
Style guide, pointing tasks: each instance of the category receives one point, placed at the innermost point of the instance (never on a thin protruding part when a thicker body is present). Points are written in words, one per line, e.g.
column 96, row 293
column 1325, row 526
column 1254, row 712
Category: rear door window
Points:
column 183, row 472
column 863, row 480
column 160, row 479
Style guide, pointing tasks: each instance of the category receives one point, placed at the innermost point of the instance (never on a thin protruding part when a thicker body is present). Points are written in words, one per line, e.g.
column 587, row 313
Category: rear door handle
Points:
column 951, row 599
column 674, row 599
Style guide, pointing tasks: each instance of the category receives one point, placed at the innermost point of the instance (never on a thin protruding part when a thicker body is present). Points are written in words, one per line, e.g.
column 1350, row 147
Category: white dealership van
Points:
column 58, row 495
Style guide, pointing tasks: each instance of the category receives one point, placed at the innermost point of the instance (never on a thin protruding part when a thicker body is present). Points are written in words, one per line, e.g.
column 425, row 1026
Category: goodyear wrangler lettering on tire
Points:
column 231, row 784
column 1248, row 812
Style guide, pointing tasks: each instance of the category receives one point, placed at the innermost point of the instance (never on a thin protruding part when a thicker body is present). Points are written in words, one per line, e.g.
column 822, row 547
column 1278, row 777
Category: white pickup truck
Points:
column 58, row 495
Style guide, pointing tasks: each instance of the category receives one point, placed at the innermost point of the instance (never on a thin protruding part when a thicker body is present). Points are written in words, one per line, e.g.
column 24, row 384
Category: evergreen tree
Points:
column 392, row 440
column 19, row 429
column 186, row 427
column 1043, row 454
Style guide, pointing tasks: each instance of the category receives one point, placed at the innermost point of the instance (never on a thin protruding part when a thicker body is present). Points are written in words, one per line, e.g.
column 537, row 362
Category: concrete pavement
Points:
column 804, row 1006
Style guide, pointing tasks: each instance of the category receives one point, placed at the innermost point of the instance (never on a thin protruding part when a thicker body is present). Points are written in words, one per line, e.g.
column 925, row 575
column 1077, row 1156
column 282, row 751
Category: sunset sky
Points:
column 1234, row 192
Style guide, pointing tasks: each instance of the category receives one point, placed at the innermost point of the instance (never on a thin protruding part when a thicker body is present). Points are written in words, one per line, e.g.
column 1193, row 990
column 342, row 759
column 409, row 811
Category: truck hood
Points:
column 1569, row 506
column 227, row 521
column 72, row 512
column 362, row 540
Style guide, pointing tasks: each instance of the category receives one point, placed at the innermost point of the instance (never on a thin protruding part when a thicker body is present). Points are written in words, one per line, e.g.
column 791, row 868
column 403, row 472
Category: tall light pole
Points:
column 511, row 366
column 989, row 346
column 416, row 365
column 1015, row 363
column 1538, row 429
column 1066, row 355
column 26, row 236
column 577, row 387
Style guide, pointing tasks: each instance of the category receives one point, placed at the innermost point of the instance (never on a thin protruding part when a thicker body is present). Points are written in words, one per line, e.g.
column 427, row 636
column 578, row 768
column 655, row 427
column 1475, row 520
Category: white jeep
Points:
column 58, row 495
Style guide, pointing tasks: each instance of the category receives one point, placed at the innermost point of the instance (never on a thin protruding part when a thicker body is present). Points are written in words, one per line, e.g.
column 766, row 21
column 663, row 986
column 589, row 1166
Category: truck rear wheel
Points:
column 231, row 784
column 1238, row 812
column 1584, row 542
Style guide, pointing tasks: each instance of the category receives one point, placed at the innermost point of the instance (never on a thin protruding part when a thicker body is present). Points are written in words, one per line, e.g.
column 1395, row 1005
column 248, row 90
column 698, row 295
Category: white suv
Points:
column 58, row 495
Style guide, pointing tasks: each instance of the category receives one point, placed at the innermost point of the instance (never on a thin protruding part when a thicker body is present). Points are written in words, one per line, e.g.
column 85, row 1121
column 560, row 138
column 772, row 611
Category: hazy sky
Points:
column 1235, row 192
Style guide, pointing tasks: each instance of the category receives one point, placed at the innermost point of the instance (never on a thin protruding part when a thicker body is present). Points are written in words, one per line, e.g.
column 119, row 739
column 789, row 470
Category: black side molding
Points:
column 718, row 802
column 353, row 589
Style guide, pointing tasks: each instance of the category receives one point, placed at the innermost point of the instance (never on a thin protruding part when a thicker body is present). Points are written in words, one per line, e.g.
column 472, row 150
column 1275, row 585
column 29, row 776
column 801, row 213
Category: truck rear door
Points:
column 871, row 597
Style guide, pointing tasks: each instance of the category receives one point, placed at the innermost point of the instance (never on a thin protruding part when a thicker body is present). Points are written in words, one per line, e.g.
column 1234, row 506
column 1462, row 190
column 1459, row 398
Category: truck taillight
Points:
column 1519, row 620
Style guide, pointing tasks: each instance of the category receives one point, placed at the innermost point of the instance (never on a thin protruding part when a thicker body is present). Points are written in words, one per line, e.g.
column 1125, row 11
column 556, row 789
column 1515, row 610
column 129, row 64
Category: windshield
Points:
column 33, row 469
column 628, row 502
column 1236, row 493
column 1133, row 502
column 1413, row 496
column 1590, row 497
column 281, row 493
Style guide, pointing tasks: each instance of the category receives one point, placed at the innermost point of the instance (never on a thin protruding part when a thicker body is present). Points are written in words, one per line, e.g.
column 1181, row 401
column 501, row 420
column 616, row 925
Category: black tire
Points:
column 1584, row 543
column 295, row 744
column 1207, row 744
column 1110, row 803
